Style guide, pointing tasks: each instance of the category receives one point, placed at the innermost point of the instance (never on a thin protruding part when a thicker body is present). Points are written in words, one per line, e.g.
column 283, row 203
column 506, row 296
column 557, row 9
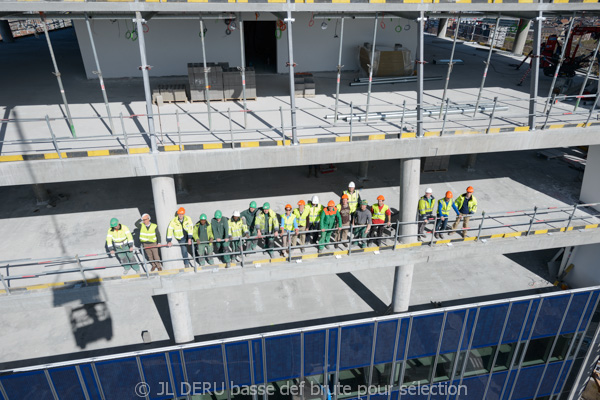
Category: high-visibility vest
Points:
column 176, row 228
column 379, row 214
column 237, row 229
column 472, row 203
column 425, row 205
column 446, row 207
column 352, row 199
column 315, row 213
column 266, row 226
column 203, row 233
column 119, row 238
column 288, row 222
column 148, row 234
column 301, row 218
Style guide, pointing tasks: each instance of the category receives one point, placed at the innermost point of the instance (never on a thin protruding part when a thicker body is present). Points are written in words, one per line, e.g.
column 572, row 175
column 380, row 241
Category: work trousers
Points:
column 423, row 219
column 360, row 233
column 313, row 237
column 184, row 251
column 377, row 231
column 441, row 225
column 205, row 249
column 126, row 258
column 284, row 239
column 325, row 238
column 269, row 244
column 153, row 255
column 343, row 234
column 235, row 245
column 251, row 244
column 300, row 237
column 465, row 219
column 220, row 248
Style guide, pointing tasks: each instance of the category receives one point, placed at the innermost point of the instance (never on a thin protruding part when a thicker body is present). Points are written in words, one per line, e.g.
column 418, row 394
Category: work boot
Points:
column 302, row 250
column 160, row 268
column 319, row 251
column 228, row 264
column 153, row 269
column 125, row 272
column 238, row 258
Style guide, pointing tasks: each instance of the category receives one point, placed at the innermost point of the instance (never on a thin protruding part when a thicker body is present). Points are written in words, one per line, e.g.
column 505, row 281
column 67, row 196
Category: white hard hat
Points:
column 429, row 190
column 351, row 184
column 315, row 200
column 236, row 213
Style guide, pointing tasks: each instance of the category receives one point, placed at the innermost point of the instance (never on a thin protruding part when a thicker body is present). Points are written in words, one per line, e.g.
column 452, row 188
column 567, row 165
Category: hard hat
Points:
column 429, row 190
column 364, row 202
column 351, row 184
column 181, row 211
column 448, row 194
column 288, row 206
column 315, row 200
column 252, row 204
column 301, row 203
column 266, row 206
column 470, row 189
column 114, row 223
column 218, row 214
column 380, row 197
column 202, row 216
column 236, row 213
column 331, row 203
column 345, row 196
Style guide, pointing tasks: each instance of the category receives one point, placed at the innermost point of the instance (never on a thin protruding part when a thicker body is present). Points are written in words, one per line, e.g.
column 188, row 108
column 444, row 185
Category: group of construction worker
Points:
column 307, row 224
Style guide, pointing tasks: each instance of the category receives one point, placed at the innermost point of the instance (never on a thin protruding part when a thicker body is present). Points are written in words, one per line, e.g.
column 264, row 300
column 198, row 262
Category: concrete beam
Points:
column 168, row 163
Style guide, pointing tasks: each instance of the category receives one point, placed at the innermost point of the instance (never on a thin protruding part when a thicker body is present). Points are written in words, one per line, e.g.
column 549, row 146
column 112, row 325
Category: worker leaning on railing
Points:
column 149, row 241
column 466, row 204
column 120, row 242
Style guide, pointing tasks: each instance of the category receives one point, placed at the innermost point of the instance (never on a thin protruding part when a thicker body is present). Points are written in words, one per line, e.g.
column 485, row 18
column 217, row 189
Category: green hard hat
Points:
column 218, row 214
column 364, row 202
column 203, row 216
column 252, row 204
column 266, row 206
column 114, row 223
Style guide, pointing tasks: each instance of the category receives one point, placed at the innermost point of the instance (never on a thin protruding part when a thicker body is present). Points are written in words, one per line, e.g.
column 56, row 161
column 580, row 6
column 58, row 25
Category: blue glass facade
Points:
column 518, row 349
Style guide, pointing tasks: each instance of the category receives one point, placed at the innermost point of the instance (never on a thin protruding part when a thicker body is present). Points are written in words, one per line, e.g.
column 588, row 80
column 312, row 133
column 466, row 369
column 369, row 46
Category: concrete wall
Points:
column 590, row 187
column 586, row 270
column 171, row 44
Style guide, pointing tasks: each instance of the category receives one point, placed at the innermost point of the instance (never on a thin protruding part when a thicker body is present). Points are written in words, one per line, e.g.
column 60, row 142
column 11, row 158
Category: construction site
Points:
column 115, row 115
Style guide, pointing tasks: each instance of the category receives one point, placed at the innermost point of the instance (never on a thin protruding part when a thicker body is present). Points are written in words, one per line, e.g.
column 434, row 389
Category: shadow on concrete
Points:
column 364, row 292
column 162, row 306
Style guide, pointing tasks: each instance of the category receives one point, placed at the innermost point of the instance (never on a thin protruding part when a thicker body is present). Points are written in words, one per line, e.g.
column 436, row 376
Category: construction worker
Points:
column 464, row 206
column 120, row 242
column 353, row 197
column 266, row 224
column 301, row 213
column 380, row 214
column 149, row 241
column 220, row 230
column 329, row 217
column 443, row 213
column 314, row 217
column 426, row 205
column 289, row 223
column 248, row 216
column 362, row 216
column 182, row 228
column 203, row 234
column 237, row 229
column 346, row 214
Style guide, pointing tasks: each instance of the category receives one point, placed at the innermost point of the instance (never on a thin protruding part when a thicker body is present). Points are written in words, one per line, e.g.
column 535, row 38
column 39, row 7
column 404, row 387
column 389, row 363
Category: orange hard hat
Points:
column 331, row 203
column 345, row 196
column 448, row 194
column 470, row 189
column 301, row 203
column 380, row 197
column 181, row 211
column 288, row 206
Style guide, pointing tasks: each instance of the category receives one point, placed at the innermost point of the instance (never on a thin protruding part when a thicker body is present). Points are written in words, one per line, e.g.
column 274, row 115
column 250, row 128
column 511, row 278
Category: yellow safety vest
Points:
column 148, row 234
column 119, row 238
column 237, row 229
column 446, row 207
column 301, row 218
column 352, row 199
column 426, row 206
column 379, row 214
column 176, row 228
column 265, row 226
column 288, row 222
column 315, row 213
column 472, row 203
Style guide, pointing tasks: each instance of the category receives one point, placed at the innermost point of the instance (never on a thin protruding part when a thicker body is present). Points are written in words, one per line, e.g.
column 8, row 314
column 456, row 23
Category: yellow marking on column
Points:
column 540, row 232
column 370, row 249
column 496, row 235
column 590, row 1
column 494, row 130
column 432, row 133
column 250, row 144
column 342, row 139
column 557, row 126
column 525, row 1
column 276, row 1
column 11, row 158
column 377, row 137
column 444, row 241
column 591, row 226
column 376, row 1
column 279, row 259
column 212, row 146
column 523, row 128
column 309, row 141
column 407, row 135
column 340, row 253
column 470, row 239
column 197, row 1
column 348, row 1
column 463, row 1
column 512, row 234
column 309, row 256
column 139, row 150
column 173, row 147
column 97, row 153
column 280, row 142
column 569, row 228
column 54, row 156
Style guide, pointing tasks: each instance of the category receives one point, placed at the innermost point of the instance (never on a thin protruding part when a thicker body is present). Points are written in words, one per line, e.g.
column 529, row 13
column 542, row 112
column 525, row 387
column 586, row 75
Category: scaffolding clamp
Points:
column 287, row 64
column 146, row 67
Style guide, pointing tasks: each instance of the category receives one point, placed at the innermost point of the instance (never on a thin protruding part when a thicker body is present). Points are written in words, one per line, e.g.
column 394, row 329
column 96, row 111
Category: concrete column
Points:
column 363, row 170
column 165, row 206
column 410, row 177
column 6, row 32
column 590, row 187
column 42, row 197
column 181, row 318
column 180, row 184
column 521, row 36
column 442, row 27
column 471, row 160
column 535, row 70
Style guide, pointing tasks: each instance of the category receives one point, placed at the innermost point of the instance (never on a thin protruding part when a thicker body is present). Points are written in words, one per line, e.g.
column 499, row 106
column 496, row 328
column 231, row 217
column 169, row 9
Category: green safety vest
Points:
column 446, row 207
column 176, row 228
column 352, row 199
column 472, row 203
column 301, row 218
column 148, row 234
column 379, row 214
column 426, row 206
column 119, row 238
column 237, row 229
column 315, row 213
column 288, row 222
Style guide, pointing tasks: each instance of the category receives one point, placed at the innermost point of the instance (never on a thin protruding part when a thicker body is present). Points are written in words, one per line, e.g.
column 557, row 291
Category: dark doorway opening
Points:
column 261, row 45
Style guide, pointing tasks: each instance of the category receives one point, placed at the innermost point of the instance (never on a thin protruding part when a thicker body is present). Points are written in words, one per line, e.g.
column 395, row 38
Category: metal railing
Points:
column 528, row 221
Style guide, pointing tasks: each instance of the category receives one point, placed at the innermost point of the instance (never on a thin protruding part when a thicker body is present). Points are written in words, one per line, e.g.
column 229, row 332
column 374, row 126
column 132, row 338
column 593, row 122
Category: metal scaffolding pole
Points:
column 57, row 74
column 560, row 61
column 587, row 75
column 420, row 64
column 487, row 65
column 371, row 67
column 243, row 68
column 339, row 72
column 535, row 69
column 145, row 67
column 291, row 64
column 206, row 85
column 450, row 65
column 99, row 73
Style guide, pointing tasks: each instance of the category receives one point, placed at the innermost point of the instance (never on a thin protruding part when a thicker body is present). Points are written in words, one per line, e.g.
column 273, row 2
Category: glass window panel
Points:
column 177, row 369
column 535, row 303
column 515, row 321
column 549, row 379
column 561, row 347
column 117, row 377
column 504, row 358
column 238, row 363
column 402, row 338
column 418, row 371
column 397, row 372
column 156, row 375
column 480, row 361
column 452, row 330
column 351, row 380
column 66, row 383
column 90, row 381
column 314, row 352
column 27, row 385
column 537, row 351
column 509, row 384
column 257, row 358
column 468, row 329
column 496, row 385
column 424, row 336
column 283, row 357
column 489, row 325
column 550, row 316
column 382, row 374
column 205, row 364
column 443, row 370
column 386, row 339
column 356, row 346
column 575, row 310
column 589, row 311
column 527, row 383
column 332, row 357
column 461, row 363
column 563, row 375
column 474, row 387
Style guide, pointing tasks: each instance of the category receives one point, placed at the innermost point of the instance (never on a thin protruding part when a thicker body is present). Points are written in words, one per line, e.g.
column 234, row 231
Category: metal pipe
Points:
column 243, row 68
column 81, row 269
column 339, row 71
column 389, row 81
column 446, row 114
column 535, row 70
column 178, row 129
column 371, row 67
column 420, row 63
column 487, row 65
column 230, row 126
column 53, row 137
column 145, row 67
column 532, row 220
column 480, row 226
column 58, row 76
column 206, row 85
column 549, row 111
column 99, row 73
column 561, row 59
column 587, row 75
column 282, row 125
column 402, row 118
column 450, row 65
column 426, row 112
column 492, row 115
column 351, row 119
column 124, row 133
column 289, row 21
column 571, row 217
column 6, row 288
